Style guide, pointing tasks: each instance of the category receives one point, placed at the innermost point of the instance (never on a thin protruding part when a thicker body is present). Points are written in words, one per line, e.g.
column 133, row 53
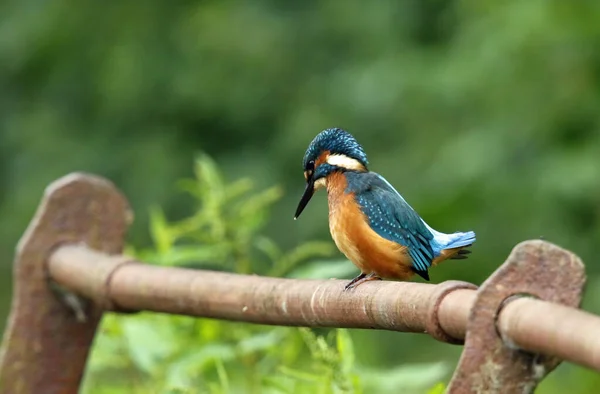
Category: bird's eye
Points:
column 310, row 167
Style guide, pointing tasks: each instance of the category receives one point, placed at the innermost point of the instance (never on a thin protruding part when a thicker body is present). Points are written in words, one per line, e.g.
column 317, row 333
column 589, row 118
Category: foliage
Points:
column 148, row 353
column 224, row 229
column 484, row 115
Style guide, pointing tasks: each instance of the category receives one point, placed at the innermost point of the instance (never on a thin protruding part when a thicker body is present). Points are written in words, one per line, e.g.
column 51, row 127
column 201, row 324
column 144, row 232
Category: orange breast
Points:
column 357, row 241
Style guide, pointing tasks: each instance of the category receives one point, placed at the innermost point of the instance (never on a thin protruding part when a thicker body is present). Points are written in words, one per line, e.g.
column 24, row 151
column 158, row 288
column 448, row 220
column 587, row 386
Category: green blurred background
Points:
column 483, row 114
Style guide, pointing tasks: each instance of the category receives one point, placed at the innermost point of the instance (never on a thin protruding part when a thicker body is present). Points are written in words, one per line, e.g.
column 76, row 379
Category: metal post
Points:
column 491, row 362
column 46, row 344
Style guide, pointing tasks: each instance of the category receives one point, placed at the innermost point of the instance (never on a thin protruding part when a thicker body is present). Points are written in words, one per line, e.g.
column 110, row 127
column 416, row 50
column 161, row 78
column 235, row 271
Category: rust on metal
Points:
column 92, row 273
column 45, row 345
column 433, row 325
column 490, row 364
column 554, row 327
column 528, row 323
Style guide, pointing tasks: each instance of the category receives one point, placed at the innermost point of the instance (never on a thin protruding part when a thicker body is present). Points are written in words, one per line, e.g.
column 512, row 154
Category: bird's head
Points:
column 330, row 151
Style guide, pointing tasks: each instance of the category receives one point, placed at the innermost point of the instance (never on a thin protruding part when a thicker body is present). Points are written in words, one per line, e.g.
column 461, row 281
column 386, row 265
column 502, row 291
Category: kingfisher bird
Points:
column 370, row 222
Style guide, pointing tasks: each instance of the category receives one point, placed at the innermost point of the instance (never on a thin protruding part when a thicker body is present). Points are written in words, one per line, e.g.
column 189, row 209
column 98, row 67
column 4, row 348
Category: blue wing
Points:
column 392, row 218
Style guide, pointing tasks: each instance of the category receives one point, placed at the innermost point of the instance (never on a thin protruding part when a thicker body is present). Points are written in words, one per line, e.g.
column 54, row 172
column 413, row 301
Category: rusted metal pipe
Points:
column 278, row 301
column 570, row 334
column 530, row 324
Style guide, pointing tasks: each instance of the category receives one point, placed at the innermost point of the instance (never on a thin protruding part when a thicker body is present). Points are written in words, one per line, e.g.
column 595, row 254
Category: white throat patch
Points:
column 345, row 162
column 320, row 183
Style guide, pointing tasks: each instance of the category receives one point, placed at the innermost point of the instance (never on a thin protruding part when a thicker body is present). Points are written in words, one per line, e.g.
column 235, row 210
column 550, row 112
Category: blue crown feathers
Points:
column 336, row 141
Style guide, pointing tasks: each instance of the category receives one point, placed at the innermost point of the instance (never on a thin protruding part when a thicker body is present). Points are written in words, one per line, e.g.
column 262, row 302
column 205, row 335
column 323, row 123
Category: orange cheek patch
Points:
column 322, row 158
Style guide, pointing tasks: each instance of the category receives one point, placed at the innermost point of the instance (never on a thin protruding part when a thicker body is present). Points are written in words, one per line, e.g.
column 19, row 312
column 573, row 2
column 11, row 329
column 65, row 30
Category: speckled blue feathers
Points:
column 392, row 218
column 336, row 141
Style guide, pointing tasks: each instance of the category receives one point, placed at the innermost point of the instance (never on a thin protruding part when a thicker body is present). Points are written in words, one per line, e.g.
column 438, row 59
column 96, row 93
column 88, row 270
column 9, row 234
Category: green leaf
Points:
column 181, row 390
column 148, row 344
column 108, row 351
column 345, row 348
column 278, row 384
column 409, row 378
column 223, row 378
column 237, row 189
column 252, row 211
column 300, row 375
column 209, row 178
column 439, row 388
column 159, row 230
column 268, row 247
column 260, row 342
column 184, row 255
column 301, row 253
column 193, row 364
column 190, row 186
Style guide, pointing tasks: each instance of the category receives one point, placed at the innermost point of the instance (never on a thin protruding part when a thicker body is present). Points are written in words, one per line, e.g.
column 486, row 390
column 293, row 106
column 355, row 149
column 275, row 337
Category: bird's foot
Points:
column 353, row 281
column 360, row 279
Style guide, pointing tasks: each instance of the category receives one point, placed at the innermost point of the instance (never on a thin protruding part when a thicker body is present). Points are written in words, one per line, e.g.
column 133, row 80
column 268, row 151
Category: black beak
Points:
column 308, row 193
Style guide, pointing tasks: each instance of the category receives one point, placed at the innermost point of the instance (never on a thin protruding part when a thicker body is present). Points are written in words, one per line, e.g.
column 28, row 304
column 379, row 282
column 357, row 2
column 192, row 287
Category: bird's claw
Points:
column 360, row 279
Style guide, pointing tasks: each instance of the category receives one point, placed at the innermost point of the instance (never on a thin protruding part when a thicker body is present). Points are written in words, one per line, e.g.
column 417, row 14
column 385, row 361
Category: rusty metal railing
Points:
column 516, row 327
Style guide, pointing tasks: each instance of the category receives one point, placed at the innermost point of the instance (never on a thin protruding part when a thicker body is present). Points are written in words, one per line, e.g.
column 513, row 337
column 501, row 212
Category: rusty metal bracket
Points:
column 432, row 324
column 490, row 364
column 45, row 344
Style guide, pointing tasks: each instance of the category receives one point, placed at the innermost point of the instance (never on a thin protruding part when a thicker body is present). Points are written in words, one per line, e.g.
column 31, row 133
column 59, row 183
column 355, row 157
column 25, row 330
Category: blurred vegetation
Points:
column 484, row 115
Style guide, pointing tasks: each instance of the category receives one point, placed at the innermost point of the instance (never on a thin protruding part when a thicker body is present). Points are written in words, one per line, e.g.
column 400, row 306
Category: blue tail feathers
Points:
column 443, row 241
column 458, row 240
